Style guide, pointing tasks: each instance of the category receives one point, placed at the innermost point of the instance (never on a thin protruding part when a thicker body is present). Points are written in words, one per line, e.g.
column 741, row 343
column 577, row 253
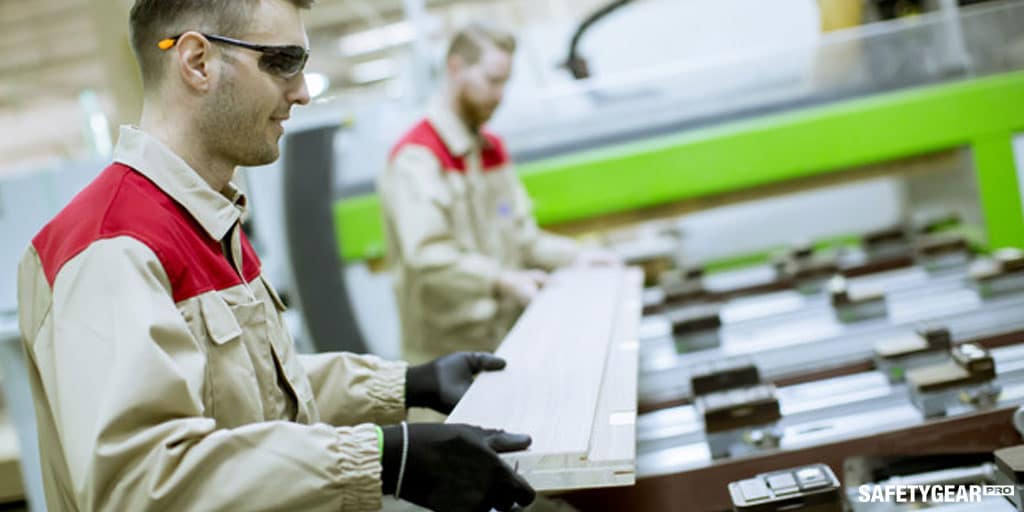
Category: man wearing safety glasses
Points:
column 163, row 374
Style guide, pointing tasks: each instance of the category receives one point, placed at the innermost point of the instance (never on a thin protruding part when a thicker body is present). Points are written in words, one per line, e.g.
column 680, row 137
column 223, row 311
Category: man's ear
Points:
column 193, row 62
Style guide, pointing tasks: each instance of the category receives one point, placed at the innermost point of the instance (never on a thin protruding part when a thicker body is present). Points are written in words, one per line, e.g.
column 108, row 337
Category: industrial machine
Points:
column 797, row 253
column 845, row 149
column 907, row 359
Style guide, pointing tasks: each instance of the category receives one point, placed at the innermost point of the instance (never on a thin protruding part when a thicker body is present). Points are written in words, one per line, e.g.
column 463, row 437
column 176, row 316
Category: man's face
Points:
column 481, row 86
column 241, row 119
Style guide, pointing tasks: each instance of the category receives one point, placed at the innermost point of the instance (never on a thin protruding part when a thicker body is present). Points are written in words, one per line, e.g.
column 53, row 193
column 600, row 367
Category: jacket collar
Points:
column 215, row 211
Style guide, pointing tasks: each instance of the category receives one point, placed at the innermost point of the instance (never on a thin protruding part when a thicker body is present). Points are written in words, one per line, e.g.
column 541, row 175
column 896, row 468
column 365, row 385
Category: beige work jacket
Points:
column 164, row 377
column 456, row 215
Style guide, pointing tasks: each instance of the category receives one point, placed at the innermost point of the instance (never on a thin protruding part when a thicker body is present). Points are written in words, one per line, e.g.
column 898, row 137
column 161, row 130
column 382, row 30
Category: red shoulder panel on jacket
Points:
column 123, row 202
column 493, row 156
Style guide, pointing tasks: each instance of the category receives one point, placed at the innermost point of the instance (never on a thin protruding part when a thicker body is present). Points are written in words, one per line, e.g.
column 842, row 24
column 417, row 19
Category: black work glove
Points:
column 440, row 383
column 455, row 468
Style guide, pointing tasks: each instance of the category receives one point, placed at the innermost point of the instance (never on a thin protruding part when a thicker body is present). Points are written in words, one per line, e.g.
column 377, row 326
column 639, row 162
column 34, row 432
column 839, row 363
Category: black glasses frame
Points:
column 285, row 61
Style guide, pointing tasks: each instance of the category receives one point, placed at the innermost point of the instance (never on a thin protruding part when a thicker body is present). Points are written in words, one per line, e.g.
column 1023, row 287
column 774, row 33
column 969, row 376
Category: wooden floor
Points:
column 570, row 382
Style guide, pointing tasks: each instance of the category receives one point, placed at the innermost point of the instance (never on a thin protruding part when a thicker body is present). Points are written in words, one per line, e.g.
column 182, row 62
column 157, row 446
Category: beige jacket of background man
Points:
column 456, row 215
column 164, row 377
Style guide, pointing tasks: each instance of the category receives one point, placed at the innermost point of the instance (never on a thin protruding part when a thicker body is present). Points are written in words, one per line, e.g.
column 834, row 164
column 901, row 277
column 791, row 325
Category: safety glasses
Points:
column 285, row 61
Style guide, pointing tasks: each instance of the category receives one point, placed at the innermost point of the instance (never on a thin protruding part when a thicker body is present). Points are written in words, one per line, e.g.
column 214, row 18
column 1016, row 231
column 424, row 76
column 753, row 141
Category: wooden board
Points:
column 570, row 382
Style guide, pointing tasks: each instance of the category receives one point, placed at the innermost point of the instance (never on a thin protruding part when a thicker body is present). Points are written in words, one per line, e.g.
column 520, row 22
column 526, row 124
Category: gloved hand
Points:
column 441, row 383
column 455, row 468
column 521, row 285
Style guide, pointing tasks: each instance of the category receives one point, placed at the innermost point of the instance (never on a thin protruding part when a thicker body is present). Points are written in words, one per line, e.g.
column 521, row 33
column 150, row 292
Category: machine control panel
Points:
column 812, row 488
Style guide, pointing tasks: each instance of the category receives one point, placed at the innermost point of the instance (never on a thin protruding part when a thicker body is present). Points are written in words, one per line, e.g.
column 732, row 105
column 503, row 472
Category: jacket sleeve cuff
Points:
column 388, row 389
column 359, row 467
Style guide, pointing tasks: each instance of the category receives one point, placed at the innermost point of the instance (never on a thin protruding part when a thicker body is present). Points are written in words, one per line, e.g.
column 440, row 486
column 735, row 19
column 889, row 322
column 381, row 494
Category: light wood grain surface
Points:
column 570, row 381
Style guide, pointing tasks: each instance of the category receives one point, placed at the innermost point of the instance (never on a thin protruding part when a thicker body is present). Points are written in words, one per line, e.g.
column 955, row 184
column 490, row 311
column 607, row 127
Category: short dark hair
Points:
column 153, row 20
column 469, row 41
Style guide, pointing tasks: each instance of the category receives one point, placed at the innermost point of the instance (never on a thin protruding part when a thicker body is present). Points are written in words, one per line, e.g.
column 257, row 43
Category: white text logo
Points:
column 930, row 493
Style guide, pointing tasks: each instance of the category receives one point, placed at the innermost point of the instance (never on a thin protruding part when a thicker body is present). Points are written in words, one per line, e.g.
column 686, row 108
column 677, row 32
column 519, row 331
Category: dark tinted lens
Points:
column 286, row 61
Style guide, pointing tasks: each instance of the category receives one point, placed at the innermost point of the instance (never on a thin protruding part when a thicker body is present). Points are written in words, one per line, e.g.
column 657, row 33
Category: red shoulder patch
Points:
column 493, row 156
column 123, row 202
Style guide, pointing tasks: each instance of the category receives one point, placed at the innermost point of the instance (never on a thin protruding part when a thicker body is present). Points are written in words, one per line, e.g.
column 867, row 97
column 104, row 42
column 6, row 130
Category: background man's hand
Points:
column 523, row 285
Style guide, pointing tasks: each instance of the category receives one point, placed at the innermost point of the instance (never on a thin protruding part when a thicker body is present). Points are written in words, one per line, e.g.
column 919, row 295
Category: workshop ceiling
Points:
column 51, row 51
